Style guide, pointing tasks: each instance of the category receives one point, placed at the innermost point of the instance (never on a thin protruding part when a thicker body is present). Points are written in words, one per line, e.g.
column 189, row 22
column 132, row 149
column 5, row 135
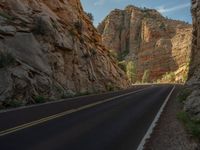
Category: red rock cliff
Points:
column 53, row 50
column 155, row 43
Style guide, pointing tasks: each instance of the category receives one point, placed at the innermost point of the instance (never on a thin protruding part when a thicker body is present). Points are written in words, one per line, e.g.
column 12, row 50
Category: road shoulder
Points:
column 169, row 134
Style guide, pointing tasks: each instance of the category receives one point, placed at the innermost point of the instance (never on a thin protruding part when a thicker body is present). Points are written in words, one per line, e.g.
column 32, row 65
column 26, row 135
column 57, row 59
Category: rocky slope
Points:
column 155, row 43
column 192, row 104
column 49, row 49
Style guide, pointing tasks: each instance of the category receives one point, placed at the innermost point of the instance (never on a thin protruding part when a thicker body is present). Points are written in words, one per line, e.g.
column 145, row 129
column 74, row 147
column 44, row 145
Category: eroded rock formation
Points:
column 50, row 49
column 154, row 42
column 192, row 104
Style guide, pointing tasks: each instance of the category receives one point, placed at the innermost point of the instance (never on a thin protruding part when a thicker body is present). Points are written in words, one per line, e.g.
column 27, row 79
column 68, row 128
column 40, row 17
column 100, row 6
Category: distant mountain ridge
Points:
column 153, row 42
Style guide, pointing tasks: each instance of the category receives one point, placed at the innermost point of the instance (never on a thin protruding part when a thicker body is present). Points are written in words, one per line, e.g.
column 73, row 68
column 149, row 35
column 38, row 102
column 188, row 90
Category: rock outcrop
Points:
column 154, row 42
column 50, row 49
column 194, row 72
column 192, row 105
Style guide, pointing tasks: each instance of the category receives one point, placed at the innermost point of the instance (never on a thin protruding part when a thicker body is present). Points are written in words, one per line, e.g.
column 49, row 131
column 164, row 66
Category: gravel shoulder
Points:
column 169, row 134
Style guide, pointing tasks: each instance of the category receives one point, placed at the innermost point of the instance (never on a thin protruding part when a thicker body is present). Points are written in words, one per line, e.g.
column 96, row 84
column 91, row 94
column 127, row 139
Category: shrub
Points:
column 169, row 76
column 13, row 103
column 113, row 54
column 185, row 74
column 40, row 27
column 110, row 87
column 162, row 26
column 90, row 16
column 93, row 51
column 122, row 65
column 54, row 25
column 81, row 40
column 79, row 26
column 86, row 55
column 122, row 55
column 6, row 59
column 83, row 93
column 146, row 14
column 66, row 95
column 183, row 95
column 131, row 71
column 7, row 16
column 191, row 125
column 39, row 99
column 145, row 78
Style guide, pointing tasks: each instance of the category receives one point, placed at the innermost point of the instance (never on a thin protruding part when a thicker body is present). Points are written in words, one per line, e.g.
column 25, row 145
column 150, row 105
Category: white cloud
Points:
column 99, row 2
column 163, row 9
column 102, row 2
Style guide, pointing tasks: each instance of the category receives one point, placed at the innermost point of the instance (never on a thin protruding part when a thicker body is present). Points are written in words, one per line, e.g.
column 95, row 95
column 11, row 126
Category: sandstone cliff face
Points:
column 192, row 104
column 155, row 43
column 194, row 73
column 51, row 49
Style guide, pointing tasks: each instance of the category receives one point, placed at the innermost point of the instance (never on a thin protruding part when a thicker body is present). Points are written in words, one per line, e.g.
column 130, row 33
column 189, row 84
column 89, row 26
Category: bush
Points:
column 6, row 59
column 83, row 93
column 169, row 77
column 185, row 74
column 39, row 99
column 86, row 55
column 110, row 87
column 79, row 26
column 191, row 125
column 54, row 25
column 131, row 71
column 81, row 40
column 122, row 65
column 90, row 16
column 12, row 103
column 145, row 78
column 66, row 95
column 93, row 51
column 113, row 54
column 183, row 95
column 122, row 55
column 7, row 16
column 162, row 26
column 40, row 27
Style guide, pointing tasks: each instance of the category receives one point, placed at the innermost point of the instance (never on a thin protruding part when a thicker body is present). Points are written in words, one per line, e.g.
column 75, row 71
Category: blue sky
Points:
column 175, row 9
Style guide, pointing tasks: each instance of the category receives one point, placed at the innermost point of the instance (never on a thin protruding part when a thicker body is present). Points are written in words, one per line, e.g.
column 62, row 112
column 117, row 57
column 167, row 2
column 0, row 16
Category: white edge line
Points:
column 153, row 124
column 39, row 121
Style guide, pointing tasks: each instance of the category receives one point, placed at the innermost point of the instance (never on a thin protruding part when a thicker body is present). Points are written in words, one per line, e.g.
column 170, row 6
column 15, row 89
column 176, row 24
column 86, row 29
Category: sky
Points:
column 174, row 9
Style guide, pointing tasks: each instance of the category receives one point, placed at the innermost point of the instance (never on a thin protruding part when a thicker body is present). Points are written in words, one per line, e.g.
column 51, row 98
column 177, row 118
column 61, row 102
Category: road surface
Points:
column 113, row 121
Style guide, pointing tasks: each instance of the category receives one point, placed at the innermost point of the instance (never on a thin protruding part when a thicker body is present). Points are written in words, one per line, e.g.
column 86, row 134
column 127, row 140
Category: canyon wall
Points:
column 194, row 72
column 50, row 49
column 192, row 104
column 152, row 41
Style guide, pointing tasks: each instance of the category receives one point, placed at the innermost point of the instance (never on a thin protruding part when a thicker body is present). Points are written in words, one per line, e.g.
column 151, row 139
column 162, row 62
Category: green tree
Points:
column 145, row 77
column 131, row 71
column 90, row 16
column 162, row 26
column 113, row 54
column 122, row 65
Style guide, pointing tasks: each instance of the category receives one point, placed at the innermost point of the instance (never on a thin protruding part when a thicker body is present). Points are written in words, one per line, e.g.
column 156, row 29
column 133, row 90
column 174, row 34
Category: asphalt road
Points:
column 98, row 122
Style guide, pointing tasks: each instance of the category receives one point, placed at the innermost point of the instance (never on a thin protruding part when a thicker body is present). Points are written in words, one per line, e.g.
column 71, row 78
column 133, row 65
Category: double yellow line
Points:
column 43, row 120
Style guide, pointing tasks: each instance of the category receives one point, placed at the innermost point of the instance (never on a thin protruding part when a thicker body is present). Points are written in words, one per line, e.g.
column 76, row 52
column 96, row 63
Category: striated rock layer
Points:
column 51, row 50
column 155, row 43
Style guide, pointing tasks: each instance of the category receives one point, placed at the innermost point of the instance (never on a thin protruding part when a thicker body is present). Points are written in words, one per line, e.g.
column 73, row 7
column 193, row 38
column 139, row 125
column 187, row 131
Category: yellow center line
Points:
column 43, row 120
